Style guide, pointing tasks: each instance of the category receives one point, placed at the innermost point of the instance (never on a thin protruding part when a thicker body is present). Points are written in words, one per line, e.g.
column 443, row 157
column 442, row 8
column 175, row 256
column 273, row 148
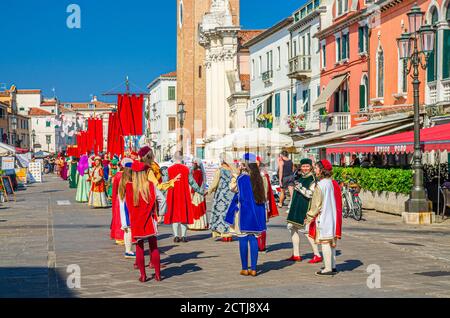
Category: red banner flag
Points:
column 130, row 109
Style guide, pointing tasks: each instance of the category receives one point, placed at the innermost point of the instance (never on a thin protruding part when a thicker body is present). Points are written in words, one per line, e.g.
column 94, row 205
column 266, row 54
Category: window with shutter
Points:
column 361, row 39
column 288, row 102
column 277, row 105
column 294, row 102
column 446, row 54
column 172, row 93
column 362, row 98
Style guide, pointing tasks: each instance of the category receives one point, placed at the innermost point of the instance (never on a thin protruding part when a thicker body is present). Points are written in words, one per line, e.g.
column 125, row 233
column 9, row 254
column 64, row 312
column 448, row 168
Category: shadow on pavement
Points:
column 179, row 270
column 279, row 246
column 198, row 237
column 349, row 265
column 273, row 266
column 34, row 282
column 182, row 257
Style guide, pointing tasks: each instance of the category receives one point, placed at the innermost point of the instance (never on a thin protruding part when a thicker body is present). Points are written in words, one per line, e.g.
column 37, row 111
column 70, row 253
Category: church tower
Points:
column 191, row 79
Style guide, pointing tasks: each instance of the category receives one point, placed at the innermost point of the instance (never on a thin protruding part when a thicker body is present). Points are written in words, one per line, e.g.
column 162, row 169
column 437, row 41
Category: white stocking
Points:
column 314, row 246
column 327, row 257
column 127, row 240
column 333, row 259
column 295, row 241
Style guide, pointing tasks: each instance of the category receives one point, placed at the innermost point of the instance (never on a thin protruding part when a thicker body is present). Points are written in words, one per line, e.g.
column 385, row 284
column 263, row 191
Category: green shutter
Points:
column 295, row 104
column 269, row 105
column 338, row 46
column 277, row 105
column 172, row 93
column 446, row 55
column 361, row 39
column 288, row 102
column 324, row 56
column 362, row 97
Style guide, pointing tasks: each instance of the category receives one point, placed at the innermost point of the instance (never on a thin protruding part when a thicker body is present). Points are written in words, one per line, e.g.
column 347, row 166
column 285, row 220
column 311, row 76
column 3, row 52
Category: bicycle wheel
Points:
column 357, row 211
column 345, row 207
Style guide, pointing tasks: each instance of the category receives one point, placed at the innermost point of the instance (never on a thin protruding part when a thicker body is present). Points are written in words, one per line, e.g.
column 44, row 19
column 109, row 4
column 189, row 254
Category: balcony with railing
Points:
column 432, row 93
column 267, row 76
column 335, row 122
column 300, row 67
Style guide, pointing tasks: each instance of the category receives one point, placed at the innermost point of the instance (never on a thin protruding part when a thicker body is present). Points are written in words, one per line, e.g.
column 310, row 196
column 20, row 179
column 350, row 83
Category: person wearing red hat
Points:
column 326, row 211
column 180, row 210
column 97, row 196
column 154, row 171
column 272, row 210
column 146, row 206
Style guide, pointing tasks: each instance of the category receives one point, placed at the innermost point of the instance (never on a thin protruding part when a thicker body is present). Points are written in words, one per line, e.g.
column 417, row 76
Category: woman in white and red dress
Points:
column 198, row 200
column 325, row 216
column 179, row 202
column 272, row 210
column 143, row 201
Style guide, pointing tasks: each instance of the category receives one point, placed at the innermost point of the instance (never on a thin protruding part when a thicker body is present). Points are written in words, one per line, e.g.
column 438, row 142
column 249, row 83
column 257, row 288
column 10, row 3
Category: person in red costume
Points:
column 324, row 217
column 143, row 201
column 272, row 210
column 198, row 200
column 180, row 210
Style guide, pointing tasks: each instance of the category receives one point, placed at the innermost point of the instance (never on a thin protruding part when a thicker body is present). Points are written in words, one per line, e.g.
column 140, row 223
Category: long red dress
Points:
column 200, row 210
column 143, row 218
column 116, row 225
column 271, row 213
column 179, row 202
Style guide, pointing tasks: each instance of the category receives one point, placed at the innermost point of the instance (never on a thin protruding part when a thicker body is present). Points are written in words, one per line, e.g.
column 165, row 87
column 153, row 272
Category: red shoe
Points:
column 143, row 279
column 295, row 258
column 316, row 259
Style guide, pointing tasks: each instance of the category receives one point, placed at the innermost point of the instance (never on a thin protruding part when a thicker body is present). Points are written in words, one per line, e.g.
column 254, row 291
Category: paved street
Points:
column 45, row 231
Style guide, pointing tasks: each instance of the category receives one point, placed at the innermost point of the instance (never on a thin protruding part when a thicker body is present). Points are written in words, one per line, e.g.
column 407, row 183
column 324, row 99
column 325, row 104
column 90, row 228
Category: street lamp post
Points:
column 415, row 48
column 181, row 118
column 33, row 137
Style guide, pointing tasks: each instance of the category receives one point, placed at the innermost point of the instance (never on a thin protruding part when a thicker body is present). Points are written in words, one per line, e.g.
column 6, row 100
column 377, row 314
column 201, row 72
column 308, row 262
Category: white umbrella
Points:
column 261, row 138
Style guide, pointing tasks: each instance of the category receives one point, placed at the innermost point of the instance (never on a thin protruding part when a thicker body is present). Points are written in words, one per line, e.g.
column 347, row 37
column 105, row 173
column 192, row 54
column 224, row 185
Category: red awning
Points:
column 435, row 138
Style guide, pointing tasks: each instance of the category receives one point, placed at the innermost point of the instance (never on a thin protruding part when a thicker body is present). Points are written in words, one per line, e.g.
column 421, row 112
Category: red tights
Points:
column 262, row 241
column 154, row 256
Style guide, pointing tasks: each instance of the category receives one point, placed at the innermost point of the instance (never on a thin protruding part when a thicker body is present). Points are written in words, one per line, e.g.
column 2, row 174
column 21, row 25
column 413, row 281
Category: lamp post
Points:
column 33, row 137
column 415, row 47
column 181, row 117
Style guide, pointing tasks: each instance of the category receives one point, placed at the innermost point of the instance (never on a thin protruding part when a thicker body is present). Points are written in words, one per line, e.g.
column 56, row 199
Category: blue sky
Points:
column 117, row 38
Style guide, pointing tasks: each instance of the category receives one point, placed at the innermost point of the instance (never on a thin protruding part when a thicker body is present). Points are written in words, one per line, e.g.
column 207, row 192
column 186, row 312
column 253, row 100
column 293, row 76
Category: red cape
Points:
column 142, row 216
column 179, row 202
column 338, row 199
column 273, row 209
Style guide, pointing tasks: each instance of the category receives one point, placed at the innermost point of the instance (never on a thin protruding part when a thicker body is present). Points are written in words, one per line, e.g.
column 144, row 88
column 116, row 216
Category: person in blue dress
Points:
column 247, row 212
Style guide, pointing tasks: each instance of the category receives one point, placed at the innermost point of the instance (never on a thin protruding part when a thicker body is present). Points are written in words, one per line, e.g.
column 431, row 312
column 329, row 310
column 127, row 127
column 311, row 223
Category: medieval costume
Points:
column 83, row 185
column 326, row 210
column 73, row 174
column 179, row 202
column 246, row 217
column 222, row 199
column 303, row 192
column 272, row 210
column 153, row 170
column 117, row 232
column 143, row 212
column 112, row 172
column 64, row 169
column 97, row 196
column 198, row 175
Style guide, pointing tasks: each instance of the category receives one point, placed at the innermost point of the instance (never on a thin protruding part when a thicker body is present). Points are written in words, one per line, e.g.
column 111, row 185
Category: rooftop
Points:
column 34, row 111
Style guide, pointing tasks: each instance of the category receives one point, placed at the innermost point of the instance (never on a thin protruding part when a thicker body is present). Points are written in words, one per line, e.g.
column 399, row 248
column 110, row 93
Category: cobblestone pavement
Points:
column 45, row 231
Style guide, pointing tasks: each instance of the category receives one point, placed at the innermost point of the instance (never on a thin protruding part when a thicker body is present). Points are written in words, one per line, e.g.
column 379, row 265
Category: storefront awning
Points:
column 355, row 133
column 332, row 86
column 435, row 138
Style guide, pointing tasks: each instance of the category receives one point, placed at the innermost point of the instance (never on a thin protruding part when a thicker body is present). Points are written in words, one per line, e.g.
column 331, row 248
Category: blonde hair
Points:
column 126, row 177
column 140, row 187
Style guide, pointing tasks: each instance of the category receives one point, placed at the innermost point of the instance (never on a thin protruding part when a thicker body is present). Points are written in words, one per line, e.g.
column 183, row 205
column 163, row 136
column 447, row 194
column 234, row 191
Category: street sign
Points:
column 8, row 163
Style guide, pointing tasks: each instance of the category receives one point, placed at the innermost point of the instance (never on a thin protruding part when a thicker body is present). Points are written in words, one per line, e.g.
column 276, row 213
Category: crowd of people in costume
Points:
column 142, row 196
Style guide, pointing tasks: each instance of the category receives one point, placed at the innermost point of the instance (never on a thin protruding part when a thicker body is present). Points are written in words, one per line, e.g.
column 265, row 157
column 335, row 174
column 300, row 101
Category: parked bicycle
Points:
column 351, row 202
